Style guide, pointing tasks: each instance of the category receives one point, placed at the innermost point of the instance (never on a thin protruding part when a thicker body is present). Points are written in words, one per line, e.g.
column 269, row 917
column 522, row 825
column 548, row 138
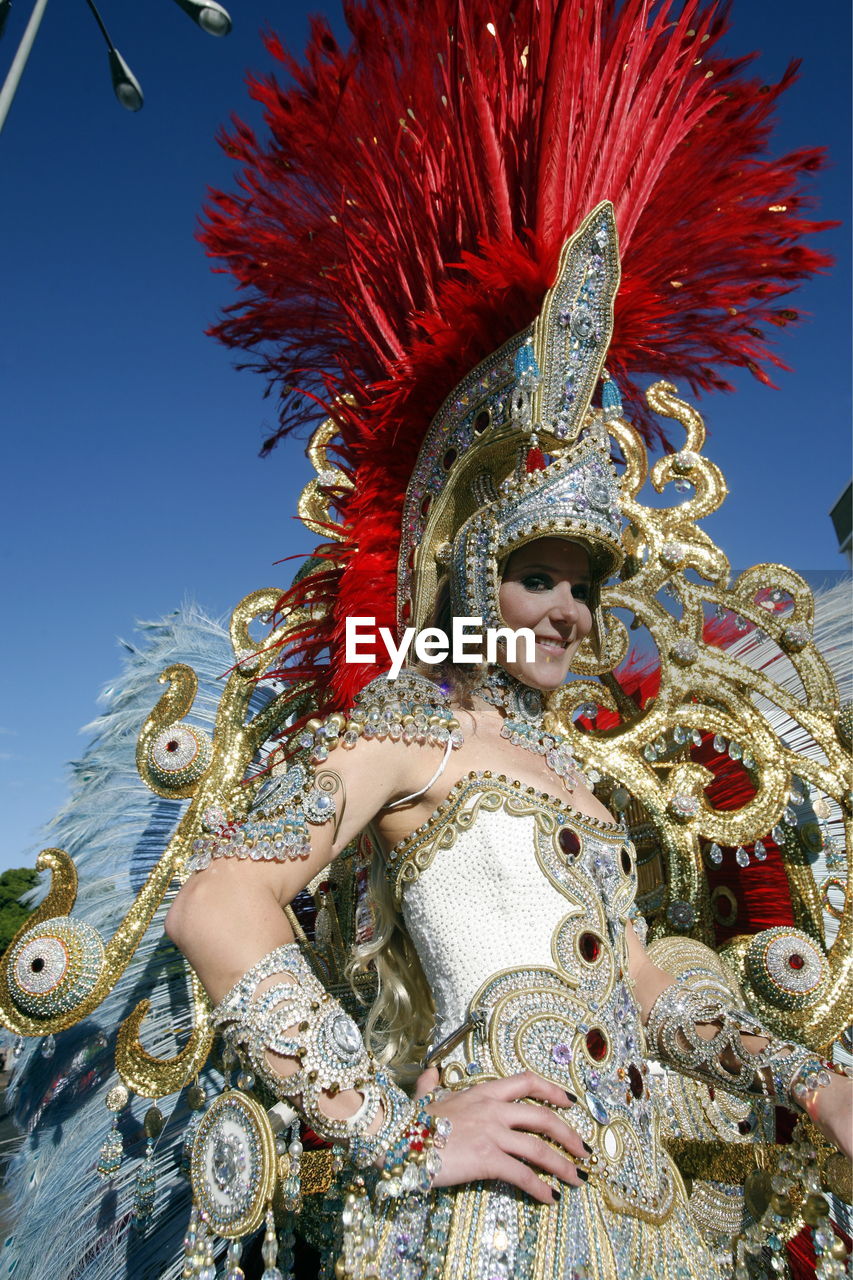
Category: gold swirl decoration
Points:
column 674, row 578
column 164, row 736
column 57, row 969
column 315, row 501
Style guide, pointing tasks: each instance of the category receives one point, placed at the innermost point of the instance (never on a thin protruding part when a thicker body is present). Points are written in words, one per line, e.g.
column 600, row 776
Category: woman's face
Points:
column 546, row 586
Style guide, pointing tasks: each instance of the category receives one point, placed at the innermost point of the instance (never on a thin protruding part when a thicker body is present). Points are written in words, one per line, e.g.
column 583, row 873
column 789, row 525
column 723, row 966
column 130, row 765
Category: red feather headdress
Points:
column 405, row 215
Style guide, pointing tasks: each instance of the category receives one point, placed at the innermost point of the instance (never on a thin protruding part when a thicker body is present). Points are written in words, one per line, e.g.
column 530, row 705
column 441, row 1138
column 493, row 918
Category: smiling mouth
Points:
column 552, row 646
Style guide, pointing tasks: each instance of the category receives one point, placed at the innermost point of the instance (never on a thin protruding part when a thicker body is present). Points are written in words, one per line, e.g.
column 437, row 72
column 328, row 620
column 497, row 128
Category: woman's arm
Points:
column 758, row 1064
column 230, row 916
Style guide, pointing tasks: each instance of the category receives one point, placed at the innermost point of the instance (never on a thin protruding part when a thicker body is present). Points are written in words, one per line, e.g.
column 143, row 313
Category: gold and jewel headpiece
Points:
column 483, row 485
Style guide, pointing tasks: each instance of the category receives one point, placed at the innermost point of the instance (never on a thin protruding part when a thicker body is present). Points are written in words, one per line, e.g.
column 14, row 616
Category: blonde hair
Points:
column 400, row 1022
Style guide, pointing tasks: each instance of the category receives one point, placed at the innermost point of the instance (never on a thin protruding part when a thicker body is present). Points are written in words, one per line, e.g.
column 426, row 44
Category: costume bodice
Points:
column 517, row 906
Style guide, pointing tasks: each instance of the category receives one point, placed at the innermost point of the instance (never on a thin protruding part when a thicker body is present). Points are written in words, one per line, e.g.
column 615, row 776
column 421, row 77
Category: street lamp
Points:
column 208, row 15
column 126, row 87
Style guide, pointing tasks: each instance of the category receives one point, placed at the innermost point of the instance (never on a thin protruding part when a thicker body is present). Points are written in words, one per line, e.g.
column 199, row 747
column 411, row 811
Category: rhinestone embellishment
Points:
column 786, row 966
column 683, row 806
column 179, row 755
column 232, row 1166
column 345, row 1035
column 55, row 966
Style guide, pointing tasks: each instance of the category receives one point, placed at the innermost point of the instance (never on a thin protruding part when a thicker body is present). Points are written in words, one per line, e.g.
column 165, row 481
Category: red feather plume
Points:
column 405, row 213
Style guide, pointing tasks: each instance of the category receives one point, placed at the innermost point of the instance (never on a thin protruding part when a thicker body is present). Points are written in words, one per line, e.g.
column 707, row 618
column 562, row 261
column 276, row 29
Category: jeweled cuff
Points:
column 784, row 1072
column 277, row 827
column 296, row 1018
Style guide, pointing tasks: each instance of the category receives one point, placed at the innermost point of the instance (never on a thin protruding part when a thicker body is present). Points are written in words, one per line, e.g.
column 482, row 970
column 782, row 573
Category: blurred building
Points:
column 841, row 516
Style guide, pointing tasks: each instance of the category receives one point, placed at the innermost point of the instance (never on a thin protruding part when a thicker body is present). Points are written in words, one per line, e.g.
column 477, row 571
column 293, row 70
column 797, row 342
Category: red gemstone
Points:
column 589, row 945
column 172, row 745
column 569, row 841
column 744, row 1127
column 712, row 1092
column 448, row 459
column 636, row 1080
column 481, row 422
column 796, row 961
column 426, row 502
column 596, row 1043
column 535, row 460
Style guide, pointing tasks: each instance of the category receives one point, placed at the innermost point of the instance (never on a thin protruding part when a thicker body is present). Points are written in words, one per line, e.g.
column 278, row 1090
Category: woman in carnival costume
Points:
column 431, row 251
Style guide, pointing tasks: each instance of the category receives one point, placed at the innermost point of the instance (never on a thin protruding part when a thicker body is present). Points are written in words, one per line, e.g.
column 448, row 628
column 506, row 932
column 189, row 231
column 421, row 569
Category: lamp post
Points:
column 19, row 61
column 209, row 15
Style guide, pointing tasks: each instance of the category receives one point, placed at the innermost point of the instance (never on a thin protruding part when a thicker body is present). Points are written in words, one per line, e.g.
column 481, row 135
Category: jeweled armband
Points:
column 298, row 1019
column 276, row 829
column 783, row 1071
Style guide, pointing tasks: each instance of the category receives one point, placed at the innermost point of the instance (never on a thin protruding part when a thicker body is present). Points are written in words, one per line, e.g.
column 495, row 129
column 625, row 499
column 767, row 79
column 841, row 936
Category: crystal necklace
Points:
column 524, row 711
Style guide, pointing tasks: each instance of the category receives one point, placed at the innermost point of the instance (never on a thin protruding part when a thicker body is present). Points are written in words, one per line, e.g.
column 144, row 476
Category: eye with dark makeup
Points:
column 538, row 581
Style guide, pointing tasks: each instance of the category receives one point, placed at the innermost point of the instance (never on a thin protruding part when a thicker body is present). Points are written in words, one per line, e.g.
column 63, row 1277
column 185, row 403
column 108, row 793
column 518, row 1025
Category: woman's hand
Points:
column 498, row 1134
column 831, row 1108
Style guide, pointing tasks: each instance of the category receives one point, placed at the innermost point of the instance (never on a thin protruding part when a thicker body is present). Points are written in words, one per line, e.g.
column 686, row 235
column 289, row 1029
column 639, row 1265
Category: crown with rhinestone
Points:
column 515, row 452
column 576, row 496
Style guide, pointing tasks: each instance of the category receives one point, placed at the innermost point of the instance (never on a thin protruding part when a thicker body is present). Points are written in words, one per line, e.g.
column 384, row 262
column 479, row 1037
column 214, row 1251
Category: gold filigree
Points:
column 315, row 501
column 153, row 1077
column 175, row 703
column 237, row 739
column 716, row 691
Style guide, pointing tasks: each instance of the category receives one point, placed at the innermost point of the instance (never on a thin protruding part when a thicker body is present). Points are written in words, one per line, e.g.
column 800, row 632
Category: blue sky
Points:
column 131, row 479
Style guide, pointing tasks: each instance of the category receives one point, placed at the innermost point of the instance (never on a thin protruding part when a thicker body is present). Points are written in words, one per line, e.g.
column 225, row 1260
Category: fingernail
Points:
column 558, row 1195
column 583, row 1175
column 572, row 1097
column 587, row 1148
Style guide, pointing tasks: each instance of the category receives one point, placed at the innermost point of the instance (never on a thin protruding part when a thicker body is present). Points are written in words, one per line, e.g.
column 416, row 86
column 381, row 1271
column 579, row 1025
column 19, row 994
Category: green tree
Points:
column 14, row 885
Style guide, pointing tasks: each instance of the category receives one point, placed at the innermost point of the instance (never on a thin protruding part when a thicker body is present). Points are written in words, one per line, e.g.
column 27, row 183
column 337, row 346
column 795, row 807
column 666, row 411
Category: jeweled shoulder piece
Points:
column 410, row 708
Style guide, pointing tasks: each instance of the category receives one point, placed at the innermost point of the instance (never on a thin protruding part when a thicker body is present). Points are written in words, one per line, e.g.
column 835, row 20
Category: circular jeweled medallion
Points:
column 598, row 491
column 582, row 323
column 179, row 755
column 54, row 966
column 526, row 703
column 787, row 967
column 233, row 1166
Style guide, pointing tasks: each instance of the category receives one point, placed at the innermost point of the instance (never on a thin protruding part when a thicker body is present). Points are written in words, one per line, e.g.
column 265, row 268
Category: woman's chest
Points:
column 486, row 752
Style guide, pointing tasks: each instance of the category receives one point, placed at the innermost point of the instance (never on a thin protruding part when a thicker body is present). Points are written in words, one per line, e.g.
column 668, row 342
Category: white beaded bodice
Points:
column 480, row 906
column 517, row 907
column 474, row 897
